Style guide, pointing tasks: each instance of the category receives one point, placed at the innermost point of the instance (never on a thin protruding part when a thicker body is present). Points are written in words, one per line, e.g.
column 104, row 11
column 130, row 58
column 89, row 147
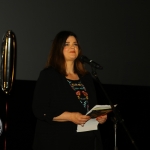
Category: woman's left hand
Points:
column 102, row 119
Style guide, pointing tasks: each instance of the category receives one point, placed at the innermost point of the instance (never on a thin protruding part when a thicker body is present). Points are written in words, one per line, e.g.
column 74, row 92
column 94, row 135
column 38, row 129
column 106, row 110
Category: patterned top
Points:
column 80, row 92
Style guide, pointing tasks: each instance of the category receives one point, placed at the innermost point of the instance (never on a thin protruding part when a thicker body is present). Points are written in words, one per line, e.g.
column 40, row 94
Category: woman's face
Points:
column 71, row 50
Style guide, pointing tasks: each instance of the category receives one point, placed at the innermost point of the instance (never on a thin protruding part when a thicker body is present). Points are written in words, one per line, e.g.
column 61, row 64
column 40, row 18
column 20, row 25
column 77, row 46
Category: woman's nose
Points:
column 72, row 46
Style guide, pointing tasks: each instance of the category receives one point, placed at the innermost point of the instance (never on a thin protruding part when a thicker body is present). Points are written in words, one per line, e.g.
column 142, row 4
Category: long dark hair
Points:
column 56, row 58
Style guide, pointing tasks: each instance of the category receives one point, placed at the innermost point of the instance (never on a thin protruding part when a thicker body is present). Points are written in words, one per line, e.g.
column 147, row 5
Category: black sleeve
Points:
column 46, row 100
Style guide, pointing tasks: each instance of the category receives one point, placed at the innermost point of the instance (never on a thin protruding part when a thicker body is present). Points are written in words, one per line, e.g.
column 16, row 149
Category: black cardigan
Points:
column 53, row 96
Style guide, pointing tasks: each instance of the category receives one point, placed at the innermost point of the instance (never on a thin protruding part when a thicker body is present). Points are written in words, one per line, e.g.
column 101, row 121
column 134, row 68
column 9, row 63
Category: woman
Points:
column 63, row 94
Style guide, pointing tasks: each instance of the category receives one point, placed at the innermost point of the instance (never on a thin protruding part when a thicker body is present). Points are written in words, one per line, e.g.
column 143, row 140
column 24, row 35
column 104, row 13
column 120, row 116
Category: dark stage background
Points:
column 114, row 34
column 133, row 105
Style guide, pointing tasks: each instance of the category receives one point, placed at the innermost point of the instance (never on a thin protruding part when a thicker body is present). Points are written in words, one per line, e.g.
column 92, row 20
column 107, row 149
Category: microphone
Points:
column 84, row 59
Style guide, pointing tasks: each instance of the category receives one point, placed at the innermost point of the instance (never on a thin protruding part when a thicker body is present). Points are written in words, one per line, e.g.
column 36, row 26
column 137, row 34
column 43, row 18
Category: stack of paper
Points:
column 96, row 111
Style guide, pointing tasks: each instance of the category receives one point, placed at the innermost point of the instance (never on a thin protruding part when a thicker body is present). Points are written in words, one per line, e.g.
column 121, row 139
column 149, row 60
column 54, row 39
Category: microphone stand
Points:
column 115, row 131
column 118, row 118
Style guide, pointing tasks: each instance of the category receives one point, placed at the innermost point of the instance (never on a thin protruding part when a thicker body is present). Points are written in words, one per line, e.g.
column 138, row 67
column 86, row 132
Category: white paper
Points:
column 100, row 107
column 91, row 124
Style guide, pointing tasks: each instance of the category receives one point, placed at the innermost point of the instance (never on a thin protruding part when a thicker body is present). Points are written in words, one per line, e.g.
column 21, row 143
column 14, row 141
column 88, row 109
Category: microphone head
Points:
column 84, row 59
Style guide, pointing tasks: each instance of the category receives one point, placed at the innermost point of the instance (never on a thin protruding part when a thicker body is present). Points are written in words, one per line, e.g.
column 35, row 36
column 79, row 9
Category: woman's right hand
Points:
column 78, row 118
column 74, row 117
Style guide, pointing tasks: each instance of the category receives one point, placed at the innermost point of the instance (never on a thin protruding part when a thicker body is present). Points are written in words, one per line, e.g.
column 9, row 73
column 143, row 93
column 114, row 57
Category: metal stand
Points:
column 115, row 132
column 116, row 113
column 115, row 128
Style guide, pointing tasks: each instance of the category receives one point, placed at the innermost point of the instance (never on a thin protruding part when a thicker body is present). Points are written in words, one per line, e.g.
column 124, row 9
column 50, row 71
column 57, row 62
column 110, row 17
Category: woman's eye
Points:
column 76, row 44
column 66, row 44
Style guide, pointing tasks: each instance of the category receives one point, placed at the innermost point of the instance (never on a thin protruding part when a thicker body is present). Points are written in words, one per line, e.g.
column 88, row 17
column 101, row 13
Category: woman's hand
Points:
column 102, row 119
column 74, row 117
column 78, row 118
